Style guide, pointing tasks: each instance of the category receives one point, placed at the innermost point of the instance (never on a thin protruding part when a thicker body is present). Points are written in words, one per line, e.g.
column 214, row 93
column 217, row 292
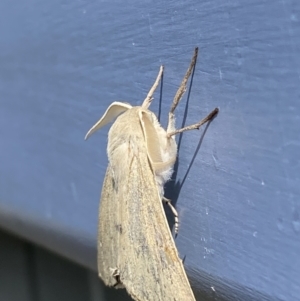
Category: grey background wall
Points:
column 64, row 62
column 30, row 273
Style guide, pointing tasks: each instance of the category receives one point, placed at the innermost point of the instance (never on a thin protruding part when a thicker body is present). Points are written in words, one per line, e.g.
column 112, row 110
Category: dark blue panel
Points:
column 63, row 63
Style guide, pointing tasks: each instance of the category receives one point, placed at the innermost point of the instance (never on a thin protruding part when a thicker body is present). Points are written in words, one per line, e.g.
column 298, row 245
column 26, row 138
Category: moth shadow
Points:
column 174, row 186
column 111, row 293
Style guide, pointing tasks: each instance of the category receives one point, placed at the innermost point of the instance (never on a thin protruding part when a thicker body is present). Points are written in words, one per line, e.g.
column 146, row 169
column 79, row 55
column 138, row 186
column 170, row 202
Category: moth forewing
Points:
column 146, row 259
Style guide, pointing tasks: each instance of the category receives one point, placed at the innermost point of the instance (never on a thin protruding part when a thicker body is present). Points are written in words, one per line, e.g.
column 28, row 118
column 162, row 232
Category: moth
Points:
column 136, row 250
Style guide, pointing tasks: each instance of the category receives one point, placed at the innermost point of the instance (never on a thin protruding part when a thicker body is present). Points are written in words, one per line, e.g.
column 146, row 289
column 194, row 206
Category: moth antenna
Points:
column 147, row 101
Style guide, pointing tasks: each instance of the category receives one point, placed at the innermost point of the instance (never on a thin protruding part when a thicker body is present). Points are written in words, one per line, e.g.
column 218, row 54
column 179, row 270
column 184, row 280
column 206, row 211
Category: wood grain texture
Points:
column 63, row 63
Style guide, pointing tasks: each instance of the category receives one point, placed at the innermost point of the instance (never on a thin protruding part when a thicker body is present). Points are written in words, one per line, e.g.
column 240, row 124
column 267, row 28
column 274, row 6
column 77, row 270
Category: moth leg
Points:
column 168, row 202
column 181, row 90
column 209, row 117
column 149, row 97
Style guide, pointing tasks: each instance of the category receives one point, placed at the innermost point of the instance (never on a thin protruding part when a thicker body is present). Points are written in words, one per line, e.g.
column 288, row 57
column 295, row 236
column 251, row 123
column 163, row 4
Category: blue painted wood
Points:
column 63, row 63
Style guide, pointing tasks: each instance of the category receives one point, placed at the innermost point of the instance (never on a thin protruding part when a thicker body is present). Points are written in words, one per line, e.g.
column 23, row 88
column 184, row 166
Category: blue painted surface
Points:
column 63, row 63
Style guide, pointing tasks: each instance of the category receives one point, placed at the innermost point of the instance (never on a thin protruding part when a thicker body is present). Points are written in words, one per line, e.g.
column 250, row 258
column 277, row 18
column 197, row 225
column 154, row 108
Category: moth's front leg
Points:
column 171, row 130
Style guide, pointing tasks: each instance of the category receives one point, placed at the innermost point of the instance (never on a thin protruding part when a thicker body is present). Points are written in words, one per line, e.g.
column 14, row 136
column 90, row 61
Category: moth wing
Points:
column 149, row 265
column 135, row 246
column 108, row 231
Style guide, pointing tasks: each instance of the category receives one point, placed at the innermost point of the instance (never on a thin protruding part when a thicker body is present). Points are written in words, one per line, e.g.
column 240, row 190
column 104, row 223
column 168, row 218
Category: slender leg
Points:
column 149, row 97
column 195, row 126
column 182, row 88
column 171, row 130
column 168, row 202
